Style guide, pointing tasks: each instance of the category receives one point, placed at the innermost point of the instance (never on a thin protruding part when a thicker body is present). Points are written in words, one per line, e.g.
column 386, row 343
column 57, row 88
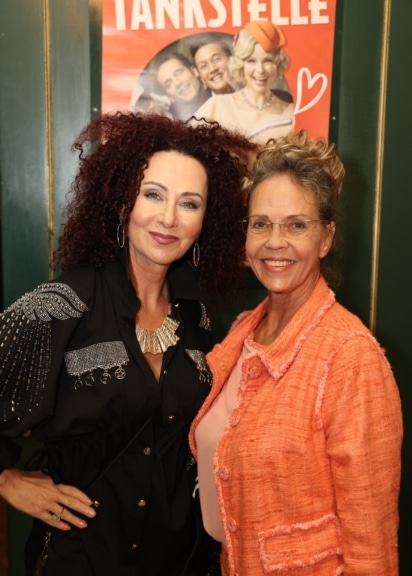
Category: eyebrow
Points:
column 166, row 189
column 284, row 218
column 212, row 55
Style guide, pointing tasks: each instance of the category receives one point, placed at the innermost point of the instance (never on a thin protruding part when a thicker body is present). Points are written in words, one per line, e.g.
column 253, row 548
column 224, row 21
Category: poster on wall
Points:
column 264, row 68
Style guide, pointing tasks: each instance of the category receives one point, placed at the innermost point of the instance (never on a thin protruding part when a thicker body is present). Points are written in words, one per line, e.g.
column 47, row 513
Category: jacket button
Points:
column 254, row 372
column 141, row 503
column 147, row 451
column 135, row 545
column 223, row 473
column 234, row 420
column 171, row 417
column 231, row 524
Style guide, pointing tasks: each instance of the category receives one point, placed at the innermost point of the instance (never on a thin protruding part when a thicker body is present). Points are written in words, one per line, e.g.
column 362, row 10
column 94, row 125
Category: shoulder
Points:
column 194, row 312
column 69, row 295
column 241, row 328
column 243, row 316
column 56, row 299
column 283, row 95
column 282, row 106
column 215, row 104
column 344, row 321
column 351, row 340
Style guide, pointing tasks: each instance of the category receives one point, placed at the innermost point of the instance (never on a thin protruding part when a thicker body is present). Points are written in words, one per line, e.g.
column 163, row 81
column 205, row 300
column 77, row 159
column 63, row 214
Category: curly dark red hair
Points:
column 114, row 150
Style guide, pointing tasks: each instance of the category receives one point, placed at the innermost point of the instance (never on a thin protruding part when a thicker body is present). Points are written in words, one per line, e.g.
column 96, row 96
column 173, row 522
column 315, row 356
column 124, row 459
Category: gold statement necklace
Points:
column 158, row 340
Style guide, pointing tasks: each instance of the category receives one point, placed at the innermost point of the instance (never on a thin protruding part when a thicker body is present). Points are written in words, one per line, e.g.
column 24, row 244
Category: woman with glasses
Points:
column 298, row 443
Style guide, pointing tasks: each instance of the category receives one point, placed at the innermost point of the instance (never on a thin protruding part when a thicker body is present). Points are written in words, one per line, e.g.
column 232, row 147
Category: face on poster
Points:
column 142, row 37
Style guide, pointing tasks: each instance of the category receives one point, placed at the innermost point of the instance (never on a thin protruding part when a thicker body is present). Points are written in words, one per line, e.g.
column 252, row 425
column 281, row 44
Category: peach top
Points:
column 208, row 434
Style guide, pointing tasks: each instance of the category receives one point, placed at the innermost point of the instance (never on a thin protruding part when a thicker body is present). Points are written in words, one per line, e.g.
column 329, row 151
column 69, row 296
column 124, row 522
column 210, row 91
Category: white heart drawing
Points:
column 311, row 81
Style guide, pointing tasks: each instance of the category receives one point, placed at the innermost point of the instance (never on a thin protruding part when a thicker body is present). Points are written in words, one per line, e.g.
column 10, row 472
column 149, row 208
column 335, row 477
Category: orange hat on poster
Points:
column 268, row 35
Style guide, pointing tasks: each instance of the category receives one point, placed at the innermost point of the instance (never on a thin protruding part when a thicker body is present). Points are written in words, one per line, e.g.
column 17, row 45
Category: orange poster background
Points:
column 125, row 53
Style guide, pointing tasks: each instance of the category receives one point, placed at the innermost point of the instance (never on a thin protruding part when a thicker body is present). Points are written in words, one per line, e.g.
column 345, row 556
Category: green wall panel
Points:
column 70, row 90
column 394, row 313
column 22, row 147
column 357, row 78
column 37, row 129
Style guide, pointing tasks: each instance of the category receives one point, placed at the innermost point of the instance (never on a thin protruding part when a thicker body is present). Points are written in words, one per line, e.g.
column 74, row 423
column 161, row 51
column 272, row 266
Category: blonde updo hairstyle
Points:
column 243, row 48
column 314, row 165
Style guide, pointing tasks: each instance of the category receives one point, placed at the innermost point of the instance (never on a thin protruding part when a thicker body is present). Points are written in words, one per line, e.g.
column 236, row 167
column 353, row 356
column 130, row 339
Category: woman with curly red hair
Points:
column 106, row 364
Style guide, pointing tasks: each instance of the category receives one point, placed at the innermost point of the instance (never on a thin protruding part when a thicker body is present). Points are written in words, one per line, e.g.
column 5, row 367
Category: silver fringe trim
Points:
column 205, row 320
column 101, row 356
column 199, row 358
column 25, row 345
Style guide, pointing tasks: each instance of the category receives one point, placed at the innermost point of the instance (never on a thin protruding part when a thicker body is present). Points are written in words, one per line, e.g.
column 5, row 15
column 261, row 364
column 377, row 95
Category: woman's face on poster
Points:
column 260, row 69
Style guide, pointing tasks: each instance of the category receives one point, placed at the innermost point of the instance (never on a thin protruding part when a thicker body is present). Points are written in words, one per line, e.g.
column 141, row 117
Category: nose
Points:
column 178, row 81
column 276, row 238
column 167, row 217
column 260, row 67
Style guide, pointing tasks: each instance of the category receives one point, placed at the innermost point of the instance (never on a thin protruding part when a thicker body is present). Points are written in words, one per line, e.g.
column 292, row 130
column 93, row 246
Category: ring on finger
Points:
column 57, row 517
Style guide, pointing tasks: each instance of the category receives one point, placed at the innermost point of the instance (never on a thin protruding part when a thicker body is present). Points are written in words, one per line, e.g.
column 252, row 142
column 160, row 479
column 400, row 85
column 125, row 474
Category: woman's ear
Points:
column 327, row 241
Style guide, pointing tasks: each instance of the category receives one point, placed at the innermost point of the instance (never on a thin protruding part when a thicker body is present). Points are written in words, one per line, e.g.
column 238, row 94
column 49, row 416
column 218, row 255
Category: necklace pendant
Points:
column 256, row 107
column 158, row 340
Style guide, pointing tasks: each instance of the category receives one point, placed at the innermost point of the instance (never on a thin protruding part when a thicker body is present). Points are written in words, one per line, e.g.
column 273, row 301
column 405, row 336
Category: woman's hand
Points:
column 35, row 494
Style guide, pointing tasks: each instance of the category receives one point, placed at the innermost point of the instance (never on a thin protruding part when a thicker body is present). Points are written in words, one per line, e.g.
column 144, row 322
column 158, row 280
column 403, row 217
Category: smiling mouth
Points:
column 278, row 263
column 163, row 238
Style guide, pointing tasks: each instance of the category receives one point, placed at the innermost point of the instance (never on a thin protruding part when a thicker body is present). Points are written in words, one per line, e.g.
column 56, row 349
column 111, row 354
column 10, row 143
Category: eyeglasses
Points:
column 290, row 227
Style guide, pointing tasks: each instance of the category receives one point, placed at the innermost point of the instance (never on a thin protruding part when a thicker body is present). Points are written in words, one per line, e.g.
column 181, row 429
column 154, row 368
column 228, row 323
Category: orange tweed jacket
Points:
column 308, row 468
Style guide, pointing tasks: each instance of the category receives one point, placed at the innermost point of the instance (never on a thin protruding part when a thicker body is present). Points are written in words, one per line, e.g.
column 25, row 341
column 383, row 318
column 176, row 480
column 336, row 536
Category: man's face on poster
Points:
column 212, row 66
column 178, row 81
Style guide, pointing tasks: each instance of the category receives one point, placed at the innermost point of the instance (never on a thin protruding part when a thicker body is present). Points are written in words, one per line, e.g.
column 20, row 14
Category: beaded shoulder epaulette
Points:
column 25, row 344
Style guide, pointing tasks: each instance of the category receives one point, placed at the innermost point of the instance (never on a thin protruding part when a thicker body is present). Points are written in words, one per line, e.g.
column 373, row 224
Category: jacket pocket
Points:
column 299, row 545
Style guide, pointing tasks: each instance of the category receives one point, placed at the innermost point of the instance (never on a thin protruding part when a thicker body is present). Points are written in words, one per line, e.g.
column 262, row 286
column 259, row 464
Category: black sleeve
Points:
column 29, row 361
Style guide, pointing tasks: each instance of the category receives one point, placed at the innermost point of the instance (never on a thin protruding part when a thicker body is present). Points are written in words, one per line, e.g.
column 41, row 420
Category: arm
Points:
column 362, row 420
column 25, row 357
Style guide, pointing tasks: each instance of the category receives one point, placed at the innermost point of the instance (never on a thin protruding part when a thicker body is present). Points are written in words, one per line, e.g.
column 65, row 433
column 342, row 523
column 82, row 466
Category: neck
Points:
column 152, row 291
column 226, row 90
column 256, row 100
column 271, row 326
column 149, row 281
column 281, row 309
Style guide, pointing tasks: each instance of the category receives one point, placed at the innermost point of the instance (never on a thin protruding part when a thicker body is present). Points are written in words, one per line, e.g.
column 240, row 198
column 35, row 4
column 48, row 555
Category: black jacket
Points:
column 108, row 426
